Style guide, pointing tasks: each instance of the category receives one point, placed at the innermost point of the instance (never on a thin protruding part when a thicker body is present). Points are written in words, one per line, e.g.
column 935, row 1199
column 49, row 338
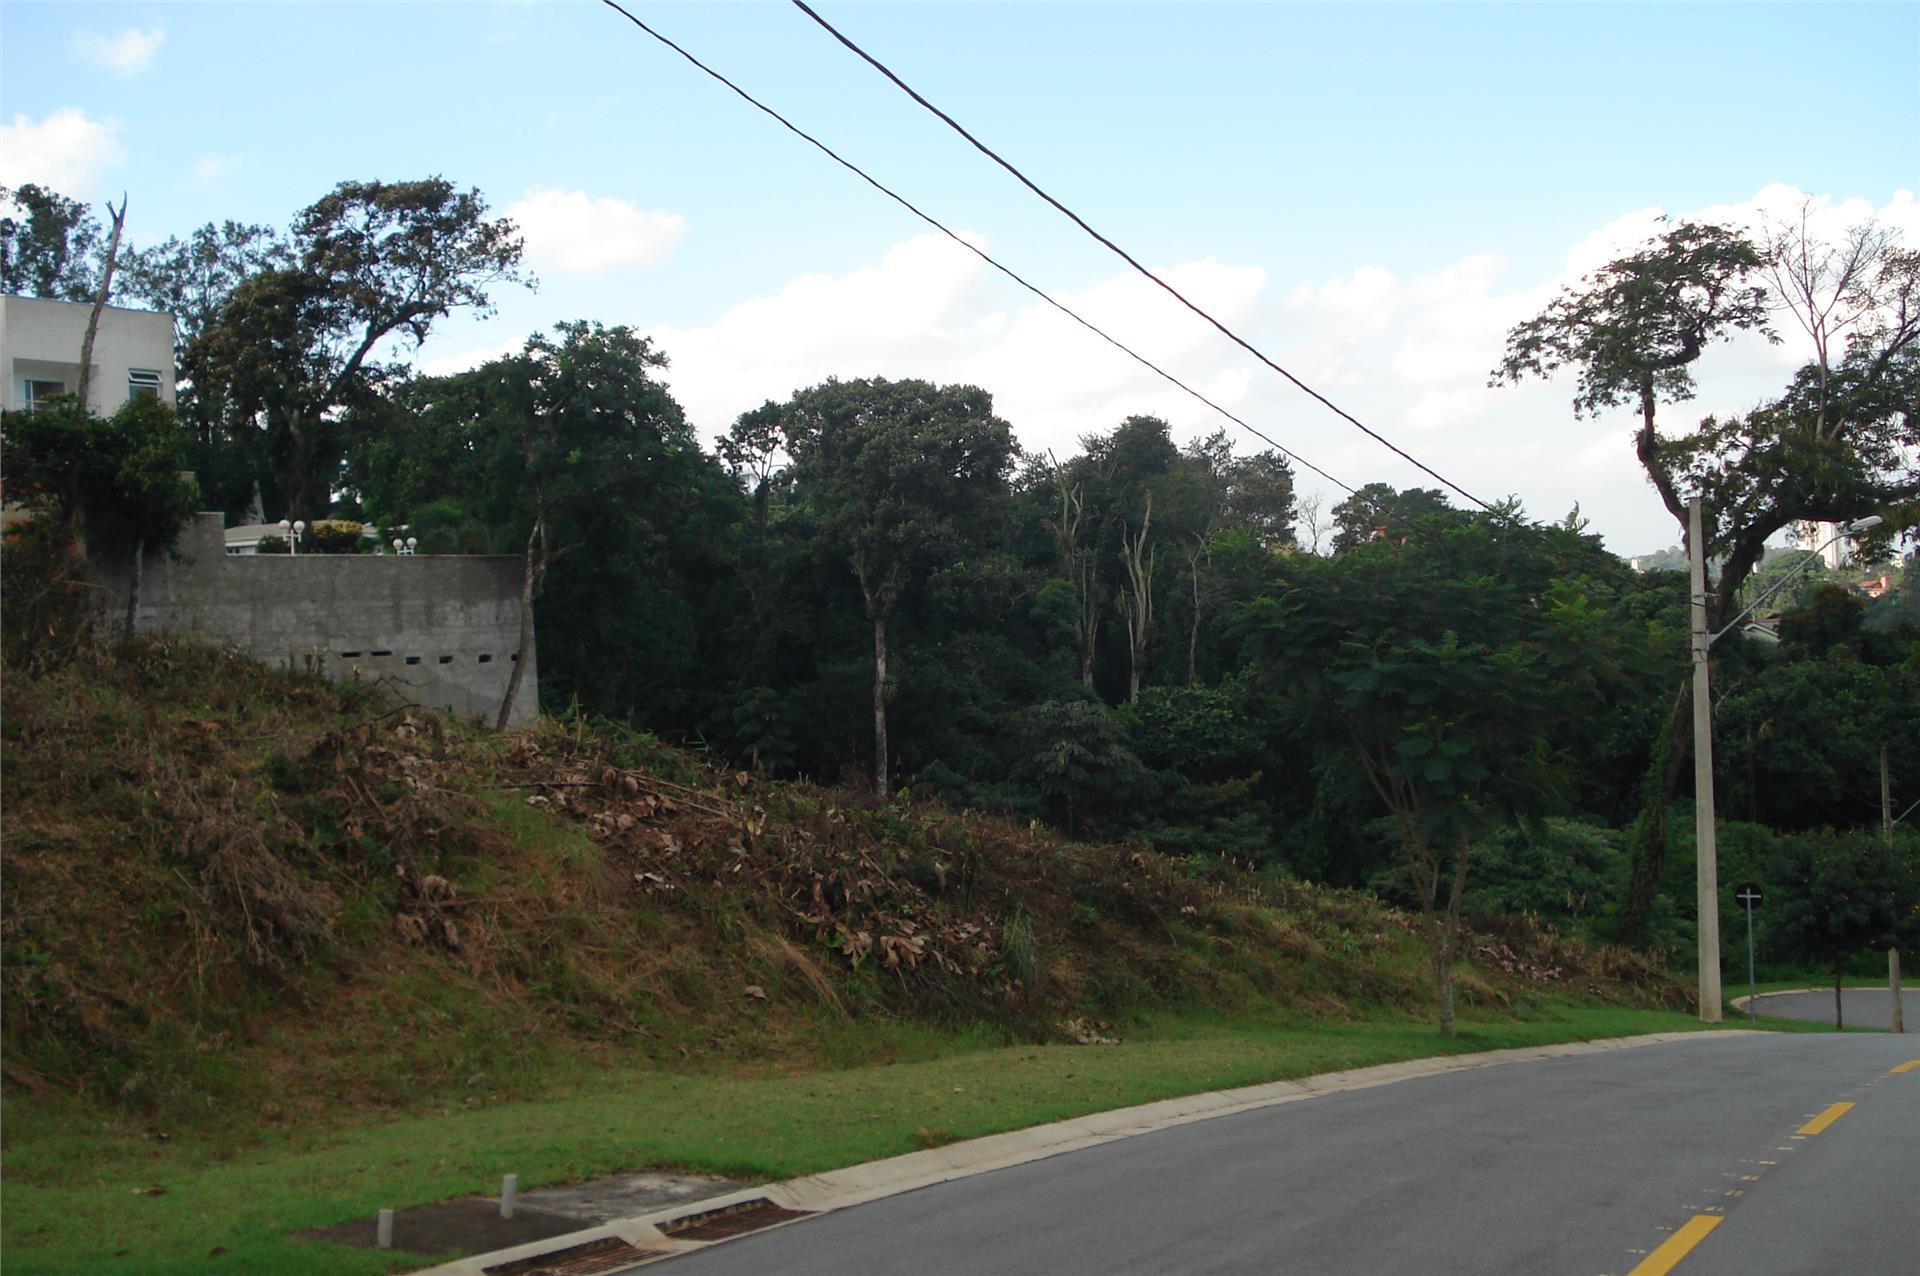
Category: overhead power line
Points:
column 1127, row 257
column 1037, row 291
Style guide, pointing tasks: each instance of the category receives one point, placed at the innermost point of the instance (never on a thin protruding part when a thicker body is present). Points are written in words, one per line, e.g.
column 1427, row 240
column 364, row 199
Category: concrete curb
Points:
column 858, row 1184
column 1740, row 1003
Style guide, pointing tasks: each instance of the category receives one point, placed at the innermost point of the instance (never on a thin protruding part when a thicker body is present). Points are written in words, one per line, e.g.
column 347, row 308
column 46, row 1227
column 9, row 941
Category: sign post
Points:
column 1749, row 894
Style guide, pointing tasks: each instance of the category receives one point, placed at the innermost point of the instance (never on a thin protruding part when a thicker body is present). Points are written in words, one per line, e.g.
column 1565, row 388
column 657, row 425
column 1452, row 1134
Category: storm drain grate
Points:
column 608, row 1254
column 729, row 1220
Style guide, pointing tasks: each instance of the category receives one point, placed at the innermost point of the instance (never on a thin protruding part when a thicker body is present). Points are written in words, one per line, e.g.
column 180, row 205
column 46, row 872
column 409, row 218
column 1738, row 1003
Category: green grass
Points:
column 71, row 1180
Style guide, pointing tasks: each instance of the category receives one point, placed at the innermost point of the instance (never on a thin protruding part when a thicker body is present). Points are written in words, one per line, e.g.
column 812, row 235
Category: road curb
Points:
column 1740, row 1002
column 873, row 1180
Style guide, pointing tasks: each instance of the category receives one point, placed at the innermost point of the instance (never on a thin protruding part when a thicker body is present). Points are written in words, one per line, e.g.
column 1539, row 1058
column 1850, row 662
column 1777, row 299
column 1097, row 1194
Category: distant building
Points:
column 40, row 344
column 1821, row 536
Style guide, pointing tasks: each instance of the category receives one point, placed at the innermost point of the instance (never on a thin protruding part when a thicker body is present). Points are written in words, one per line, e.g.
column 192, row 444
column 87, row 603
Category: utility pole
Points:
column 1886, row 831
column 1706, row 857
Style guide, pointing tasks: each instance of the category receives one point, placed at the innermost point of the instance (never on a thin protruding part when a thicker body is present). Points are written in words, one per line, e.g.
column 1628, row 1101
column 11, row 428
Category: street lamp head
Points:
column 285, row 526
column 413, row 543
column 1862, row 524
column 300, row 525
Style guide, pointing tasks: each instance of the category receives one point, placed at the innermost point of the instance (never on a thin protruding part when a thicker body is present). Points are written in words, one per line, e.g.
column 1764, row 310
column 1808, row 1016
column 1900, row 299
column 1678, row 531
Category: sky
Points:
column 1371, row 194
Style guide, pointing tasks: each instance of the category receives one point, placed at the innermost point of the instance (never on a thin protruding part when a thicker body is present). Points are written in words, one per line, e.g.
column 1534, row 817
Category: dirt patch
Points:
column 473, row 1224
column 469, row 1226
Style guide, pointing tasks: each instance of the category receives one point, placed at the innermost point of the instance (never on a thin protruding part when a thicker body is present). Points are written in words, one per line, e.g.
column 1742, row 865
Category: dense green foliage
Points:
column 870, row 582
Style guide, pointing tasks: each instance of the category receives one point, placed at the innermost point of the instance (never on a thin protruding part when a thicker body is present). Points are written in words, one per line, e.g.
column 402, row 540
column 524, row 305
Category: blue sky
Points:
column 1372, row 192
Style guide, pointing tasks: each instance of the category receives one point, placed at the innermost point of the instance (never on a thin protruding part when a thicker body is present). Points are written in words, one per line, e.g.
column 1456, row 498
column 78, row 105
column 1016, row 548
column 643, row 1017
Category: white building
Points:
column 1812, row 536
column 40, row 344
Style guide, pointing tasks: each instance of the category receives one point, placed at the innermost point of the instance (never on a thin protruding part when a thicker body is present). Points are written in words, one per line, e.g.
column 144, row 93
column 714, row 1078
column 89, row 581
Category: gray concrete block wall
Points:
column 442, row 630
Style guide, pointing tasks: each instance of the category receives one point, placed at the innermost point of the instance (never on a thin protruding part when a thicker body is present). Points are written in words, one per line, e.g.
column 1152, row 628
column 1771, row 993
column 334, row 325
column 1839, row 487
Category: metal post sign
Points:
column 1749, row 895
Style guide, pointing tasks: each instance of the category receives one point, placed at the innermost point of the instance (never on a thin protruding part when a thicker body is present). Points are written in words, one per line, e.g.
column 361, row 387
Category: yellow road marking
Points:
column 1676, row 1246
column 1826, row 1118
column 1908, row 1066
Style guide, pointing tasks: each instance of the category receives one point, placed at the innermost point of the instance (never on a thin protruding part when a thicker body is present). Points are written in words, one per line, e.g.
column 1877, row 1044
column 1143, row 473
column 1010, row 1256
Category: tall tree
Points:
column 109, row 260
column 901, row 474
column 1435, row 674
column 1379, row 512
column 1838, row 893
column 1840, row 443
column 116, row 481
column 49, row 245
column 573, row 455
column 375, row 264
column 1633, row 330
column 1072, row 531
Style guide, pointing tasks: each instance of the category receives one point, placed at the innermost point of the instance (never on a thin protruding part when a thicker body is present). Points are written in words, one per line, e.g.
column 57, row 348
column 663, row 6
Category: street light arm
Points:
column 1771, row 590
column 1859, row 525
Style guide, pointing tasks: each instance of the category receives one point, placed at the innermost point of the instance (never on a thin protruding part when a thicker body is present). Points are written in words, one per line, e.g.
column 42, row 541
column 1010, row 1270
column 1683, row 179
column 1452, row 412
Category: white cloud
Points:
column 571, row 232
column 466, row 360
column 126, row 54
column 65, row 151
column 1409, row 355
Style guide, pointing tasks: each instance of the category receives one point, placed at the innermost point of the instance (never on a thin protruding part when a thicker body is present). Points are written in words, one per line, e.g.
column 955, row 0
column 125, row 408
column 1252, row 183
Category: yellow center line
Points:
column 1908, row 1066
column 1676, row 1246
column 1826, row 1118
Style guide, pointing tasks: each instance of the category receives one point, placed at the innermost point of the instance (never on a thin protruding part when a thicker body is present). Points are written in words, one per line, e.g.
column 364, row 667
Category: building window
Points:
column 38, row 392
column 143, row 383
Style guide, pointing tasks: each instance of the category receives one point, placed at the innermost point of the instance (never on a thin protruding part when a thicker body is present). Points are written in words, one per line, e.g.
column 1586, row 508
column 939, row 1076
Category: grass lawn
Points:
column 73, row 1183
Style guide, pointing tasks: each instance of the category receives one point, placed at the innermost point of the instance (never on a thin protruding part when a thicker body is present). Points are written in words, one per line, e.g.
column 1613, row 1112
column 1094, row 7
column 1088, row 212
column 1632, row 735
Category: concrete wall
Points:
column 443, row 630
column 40, row 340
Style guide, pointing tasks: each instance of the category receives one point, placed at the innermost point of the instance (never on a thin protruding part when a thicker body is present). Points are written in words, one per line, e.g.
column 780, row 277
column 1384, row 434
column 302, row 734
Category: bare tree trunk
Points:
column 1193, row 634
column 1308, row 509
column 880, row 760
column 1089, row 624
column 100, row 301
column 1073, row 565
column 531, row 581
column 1136, row 604
column 1838, row 1023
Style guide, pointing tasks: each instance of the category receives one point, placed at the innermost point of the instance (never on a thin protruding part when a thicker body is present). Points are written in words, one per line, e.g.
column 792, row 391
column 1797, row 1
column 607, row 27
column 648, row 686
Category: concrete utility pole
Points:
column 1706, row 867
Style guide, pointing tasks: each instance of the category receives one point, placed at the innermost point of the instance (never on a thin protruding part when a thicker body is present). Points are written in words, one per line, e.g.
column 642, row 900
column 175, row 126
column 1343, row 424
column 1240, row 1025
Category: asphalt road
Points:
column 1859, row 1008
column 1581, row 1165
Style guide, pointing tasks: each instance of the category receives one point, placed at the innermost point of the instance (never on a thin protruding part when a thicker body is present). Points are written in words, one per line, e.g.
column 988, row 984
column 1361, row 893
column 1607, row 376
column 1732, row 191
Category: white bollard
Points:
column 509, row 1188
column 383, row 1234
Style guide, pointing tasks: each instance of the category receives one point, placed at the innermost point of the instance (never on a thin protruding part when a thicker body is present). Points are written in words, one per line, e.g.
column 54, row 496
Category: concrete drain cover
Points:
column 729, row 1220
column 609, row 1254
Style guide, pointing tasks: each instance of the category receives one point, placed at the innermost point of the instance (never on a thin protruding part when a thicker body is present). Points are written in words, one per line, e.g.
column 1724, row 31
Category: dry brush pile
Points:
column 205, row 859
